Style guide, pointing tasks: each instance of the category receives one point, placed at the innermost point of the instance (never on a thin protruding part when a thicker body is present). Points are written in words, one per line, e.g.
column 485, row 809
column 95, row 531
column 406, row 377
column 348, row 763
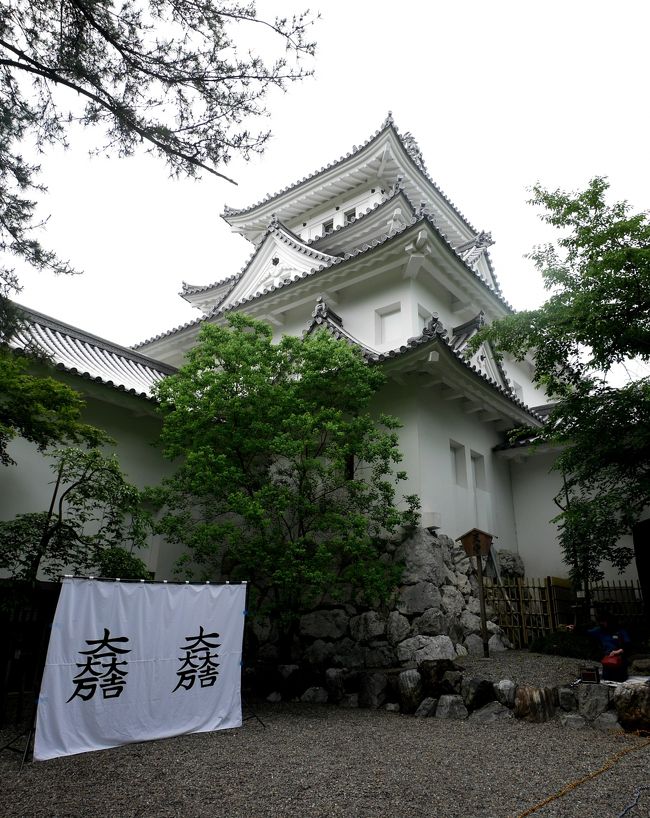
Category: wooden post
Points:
column 522, row 612
column 481, row 597
column 552, row 611
column 478, row 543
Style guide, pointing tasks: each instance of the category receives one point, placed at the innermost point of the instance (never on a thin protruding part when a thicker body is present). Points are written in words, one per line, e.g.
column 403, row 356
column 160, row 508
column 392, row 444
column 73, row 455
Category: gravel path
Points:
column 325, row 761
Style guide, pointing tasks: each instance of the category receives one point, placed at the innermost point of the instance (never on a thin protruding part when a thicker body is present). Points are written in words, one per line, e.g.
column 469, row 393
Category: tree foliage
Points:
column 284, row 479
column 176, row 76
column 93, row 515
column 38, row 408
column 597, row 318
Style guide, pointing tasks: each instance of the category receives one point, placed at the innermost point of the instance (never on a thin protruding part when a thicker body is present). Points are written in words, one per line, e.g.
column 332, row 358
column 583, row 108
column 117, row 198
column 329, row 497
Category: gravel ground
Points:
column 325, row 761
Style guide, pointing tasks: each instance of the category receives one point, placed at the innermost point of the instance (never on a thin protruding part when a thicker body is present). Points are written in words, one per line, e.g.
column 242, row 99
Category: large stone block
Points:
column 397, row 628
column 574, row 721
column 324, row 624
column 592, row 700
column 504, row 691
column 510, row 563
column 606, row 721
column 422, row 557
column 433, row 672
column 335, row 683
column 452, row 602
column 534, row 703
column 315, row 695
column 451, row 707
column 410, row 690
column 491, row 712
column 420, row 648
column 426, row 709
column 632, row 704
column 319, row 652
column 416, row 599
column 567, row 699
column 476, row 692
column 474, row 645
column 372, row 690
column 432, row 623
column 347, row 653
column 367, row 626
column 382, row 655
column 496, row 643
column 470, row 623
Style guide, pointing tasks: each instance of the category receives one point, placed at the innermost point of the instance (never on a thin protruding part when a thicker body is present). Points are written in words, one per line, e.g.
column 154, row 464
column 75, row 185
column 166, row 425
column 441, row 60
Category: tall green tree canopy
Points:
column 177, row 76
column 39, row 409
column 284, row 478
column 594, row 323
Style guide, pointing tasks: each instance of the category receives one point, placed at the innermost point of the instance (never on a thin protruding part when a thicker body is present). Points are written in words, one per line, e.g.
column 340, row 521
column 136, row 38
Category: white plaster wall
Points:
column 520, row 372
column 534, row 486
column 430, row 423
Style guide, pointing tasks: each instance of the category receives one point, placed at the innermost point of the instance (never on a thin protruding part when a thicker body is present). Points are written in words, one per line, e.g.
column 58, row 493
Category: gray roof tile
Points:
column 73, row 350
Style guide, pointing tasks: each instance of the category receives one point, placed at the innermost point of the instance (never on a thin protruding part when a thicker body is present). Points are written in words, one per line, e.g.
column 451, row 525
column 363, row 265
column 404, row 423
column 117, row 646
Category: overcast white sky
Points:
column 498, row 94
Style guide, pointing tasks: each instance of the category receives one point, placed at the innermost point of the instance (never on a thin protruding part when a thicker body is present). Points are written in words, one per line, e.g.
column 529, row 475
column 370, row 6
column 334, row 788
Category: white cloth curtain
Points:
column 133, row 661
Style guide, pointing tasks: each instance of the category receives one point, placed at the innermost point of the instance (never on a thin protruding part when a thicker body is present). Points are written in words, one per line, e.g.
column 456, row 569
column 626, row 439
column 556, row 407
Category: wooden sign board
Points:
column 476, row 542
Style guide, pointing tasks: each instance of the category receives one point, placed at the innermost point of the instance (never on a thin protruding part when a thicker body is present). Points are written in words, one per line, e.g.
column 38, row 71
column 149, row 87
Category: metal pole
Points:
column 481, row 595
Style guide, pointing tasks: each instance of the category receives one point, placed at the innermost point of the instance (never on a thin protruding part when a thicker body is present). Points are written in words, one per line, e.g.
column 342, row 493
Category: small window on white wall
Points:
column 388, row 323
column 478, row 471
column 458, row 463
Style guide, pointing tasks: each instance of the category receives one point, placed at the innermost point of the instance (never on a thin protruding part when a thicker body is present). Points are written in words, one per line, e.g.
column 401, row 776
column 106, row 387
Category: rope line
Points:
column 579, row 781
column 634, row 802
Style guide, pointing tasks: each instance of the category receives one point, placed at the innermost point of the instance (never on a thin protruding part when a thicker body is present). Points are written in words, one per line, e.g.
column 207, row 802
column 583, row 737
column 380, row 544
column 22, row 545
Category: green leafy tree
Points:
column 178, row 77
column 284, row 478
column 93, row 516
column 38, row 408
column 595, row 321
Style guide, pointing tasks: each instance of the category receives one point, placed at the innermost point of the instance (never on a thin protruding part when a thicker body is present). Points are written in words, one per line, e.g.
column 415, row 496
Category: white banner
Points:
column 131, row 661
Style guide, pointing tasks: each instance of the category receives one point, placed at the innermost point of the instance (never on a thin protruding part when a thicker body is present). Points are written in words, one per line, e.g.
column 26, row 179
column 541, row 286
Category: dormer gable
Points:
column 281, row 257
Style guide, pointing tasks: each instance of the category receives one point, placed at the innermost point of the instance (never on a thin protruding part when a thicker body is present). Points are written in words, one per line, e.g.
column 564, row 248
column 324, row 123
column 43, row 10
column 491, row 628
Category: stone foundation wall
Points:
column 442, row 690
column 434, row 615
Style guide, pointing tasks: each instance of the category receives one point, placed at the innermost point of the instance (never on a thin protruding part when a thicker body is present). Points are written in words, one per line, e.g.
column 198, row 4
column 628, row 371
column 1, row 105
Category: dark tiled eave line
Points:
column 365, row 248
column 88, row 356
column 440, row 335
column 388, row 123
column 33, row 317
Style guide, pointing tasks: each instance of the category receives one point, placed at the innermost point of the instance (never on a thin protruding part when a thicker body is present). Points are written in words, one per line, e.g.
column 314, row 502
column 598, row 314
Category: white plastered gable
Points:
column 279, row 259
column 485, row 361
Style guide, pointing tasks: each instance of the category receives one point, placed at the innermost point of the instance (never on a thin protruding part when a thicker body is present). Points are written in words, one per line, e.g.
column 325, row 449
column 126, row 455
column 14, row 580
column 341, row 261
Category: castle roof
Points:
column 422, row 220
column 387, row 154
column 72, row 350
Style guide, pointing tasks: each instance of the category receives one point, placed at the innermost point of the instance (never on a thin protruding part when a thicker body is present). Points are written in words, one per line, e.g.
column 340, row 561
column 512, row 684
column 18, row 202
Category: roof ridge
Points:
column 411, row 150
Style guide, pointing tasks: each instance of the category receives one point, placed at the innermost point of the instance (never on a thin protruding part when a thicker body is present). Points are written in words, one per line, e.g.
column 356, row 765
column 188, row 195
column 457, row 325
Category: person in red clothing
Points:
column 613, row 641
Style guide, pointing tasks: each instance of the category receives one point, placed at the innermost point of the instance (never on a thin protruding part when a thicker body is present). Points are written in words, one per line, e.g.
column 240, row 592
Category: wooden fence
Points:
column 530, row 608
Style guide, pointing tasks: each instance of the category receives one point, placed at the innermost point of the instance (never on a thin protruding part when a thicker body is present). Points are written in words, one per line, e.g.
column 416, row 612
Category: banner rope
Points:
column 579, row 781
